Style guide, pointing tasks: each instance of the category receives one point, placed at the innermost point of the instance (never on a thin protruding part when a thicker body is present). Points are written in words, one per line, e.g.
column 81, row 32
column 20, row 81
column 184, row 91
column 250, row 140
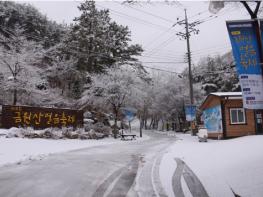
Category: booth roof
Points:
column 229, row 95
column 239, row 94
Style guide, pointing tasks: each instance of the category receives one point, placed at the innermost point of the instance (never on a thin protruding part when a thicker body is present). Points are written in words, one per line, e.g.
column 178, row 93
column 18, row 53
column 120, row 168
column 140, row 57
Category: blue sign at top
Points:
column 129, row 114
column 190, row 112
column 245, row 46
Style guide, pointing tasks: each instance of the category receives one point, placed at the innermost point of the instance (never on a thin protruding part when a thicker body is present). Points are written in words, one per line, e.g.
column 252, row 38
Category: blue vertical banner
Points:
column 246, row 53
column 190, row 112
column 129, row 113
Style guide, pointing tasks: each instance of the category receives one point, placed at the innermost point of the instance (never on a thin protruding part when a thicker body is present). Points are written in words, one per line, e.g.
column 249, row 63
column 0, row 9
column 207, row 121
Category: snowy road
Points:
column 125, row 169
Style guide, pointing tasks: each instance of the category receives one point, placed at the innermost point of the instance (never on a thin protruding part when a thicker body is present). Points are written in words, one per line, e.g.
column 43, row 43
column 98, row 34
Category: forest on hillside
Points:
column 91, row 63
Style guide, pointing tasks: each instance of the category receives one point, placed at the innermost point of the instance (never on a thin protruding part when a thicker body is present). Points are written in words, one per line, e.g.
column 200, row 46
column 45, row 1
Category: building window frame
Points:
column 237, row 122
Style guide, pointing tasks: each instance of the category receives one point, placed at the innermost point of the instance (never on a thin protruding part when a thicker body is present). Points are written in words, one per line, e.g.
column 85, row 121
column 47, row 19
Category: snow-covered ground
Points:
column 15, row 150
column 220, row 165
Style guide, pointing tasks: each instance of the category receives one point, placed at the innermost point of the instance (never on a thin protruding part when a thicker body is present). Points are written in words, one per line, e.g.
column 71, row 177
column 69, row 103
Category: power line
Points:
column 163, row 57
column 133, row 18
column 157, row 37
column 179, row 74
column 149, row 13
column 210, row 52
column 161, row 45
column 211, row 17
column 212, row 47
column 170, row 53
column 198, row 14
column 159, row 17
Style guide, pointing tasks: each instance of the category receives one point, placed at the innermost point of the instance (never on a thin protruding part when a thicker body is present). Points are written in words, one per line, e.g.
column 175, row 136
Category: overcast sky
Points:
column 151, row 26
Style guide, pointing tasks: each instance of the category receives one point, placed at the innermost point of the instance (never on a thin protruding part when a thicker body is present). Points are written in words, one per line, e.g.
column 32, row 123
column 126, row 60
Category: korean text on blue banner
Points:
column 246, row 52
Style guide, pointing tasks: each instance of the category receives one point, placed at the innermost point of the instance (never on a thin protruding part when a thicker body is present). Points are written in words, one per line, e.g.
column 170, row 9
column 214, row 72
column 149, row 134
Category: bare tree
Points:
column 252, row 7
column 16, row 53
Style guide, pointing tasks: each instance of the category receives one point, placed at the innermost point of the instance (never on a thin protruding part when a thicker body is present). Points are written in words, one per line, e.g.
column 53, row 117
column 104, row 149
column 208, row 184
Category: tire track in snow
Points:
column 125, row 182
column 104, row 186
column 156, row 181
column 176, row 180
column 125, row 175
column 193, row 183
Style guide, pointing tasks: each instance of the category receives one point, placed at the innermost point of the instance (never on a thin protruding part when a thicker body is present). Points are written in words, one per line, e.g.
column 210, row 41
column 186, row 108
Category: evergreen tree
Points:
column 96, row 43
column 36, row 27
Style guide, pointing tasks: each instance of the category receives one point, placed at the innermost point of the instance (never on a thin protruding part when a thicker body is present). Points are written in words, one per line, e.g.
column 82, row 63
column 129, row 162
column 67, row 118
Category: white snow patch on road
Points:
column 16, row 150
column 220, row 165
column 167, row 168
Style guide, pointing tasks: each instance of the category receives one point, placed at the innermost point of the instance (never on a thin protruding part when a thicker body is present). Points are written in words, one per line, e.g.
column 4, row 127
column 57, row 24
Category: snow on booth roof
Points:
column 229, row 95
column 223, row 94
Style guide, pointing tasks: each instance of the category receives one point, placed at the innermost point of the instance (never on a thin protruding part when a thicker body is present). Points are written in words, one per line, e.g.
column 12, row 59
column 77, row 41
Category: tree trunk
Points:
column 141, row 125
column 15, row 90
column 162, row 125
column 115, row 130
column 157, row 123
column 145, row 123
column 15, row 96
column 152, row 123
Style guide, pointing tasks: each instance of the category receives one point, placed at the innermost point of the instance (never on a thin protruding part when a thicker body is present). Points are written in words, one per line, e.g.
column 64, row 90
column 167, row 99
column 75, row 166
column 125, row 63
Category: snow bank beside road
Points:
column 220, row 165
column 19, row 149
column 15, row 150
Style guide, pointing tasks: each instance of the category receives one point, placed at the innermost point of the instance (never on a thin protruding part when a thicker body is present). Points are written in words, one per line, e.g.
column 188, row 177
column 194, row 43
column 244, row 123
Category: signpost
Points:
column 39, row 117
column 246, row 47
column 129, row 114
column 190, row 112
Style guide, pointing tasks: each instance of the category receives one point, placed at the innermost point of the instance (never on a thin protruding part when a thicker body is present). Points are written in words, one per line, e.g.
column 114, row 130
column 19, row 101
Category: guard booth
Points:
column 225, row 117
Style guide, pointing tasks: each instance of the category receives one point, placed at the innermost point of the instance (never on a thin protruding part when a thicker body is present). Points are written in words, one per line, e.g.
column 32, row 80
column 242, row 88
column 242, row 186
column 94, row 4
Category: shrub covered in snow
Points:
column 53, row 133
column 88, row 124
column 99, row 127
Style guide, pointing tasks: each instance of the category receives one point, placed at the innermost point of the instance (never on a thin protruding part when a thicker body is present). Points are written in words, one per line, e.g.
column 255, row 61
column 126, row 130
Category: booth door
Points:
column 259, row 122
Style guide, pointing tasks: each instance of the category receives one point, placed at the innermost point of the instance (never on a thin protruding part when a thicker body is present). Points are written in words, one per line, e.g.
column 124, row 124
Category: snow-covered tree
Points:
column 36, row 27
column 22, row 76
column 216, row 74
column 96, row 42
column 119, row 87
column 168, row 94
column 16, row 55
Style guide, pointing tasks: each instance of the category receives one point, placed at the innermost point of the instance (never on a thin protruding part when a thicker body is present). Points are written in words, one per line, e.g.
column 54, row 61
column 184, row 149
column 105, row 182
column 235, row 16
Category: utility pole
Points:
column 189, row 28
column 189, row 59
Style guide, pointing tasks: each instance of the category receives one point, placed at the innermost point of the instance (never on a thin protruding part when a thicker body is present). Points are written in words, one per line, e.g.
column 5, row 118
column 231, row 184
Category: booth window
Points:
column 237, row 116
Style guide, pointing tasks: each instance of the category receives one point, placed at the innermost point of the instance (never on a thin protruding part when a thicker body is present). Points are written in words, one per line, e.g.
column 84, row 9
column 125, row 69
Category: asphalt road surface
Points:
column 126, row 169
